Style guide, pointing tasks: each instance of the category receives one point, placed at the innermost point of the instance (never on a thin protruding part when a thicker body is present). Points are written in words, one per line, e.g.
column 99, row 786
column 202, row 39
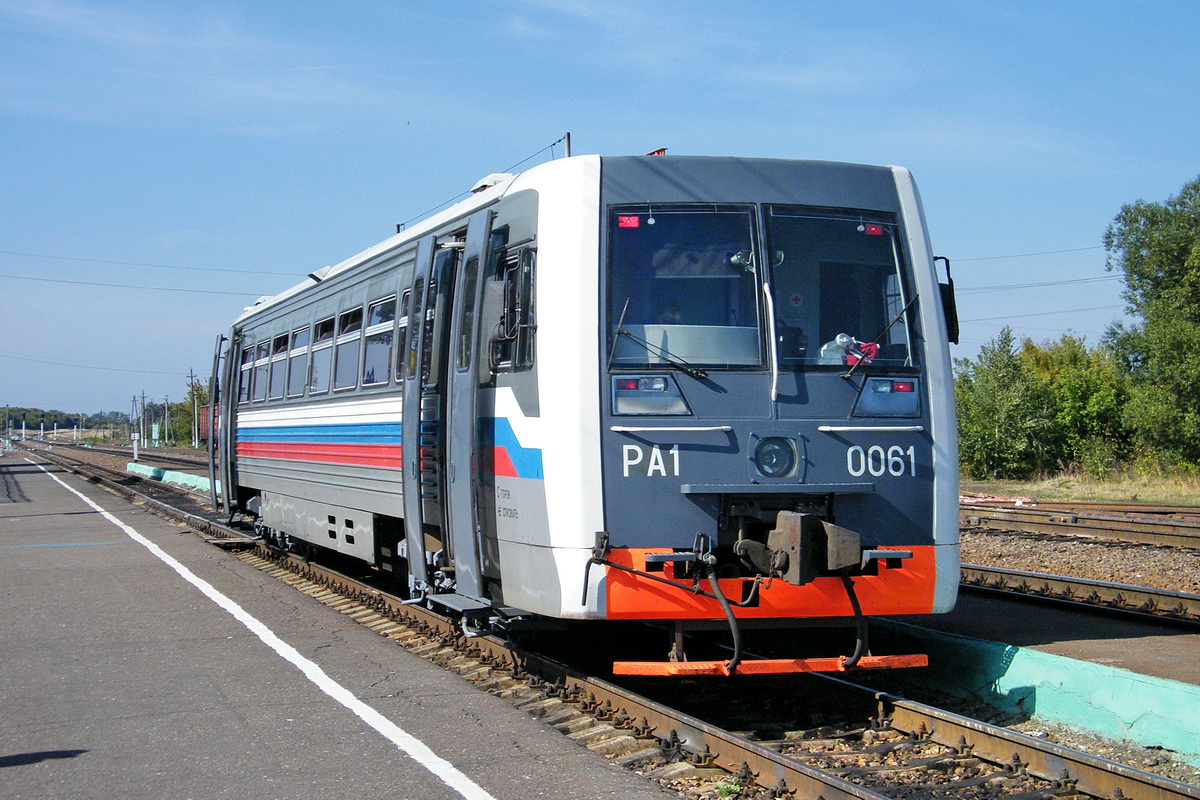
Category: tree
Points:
column 1087, row 392
column 1005, row 423
column 1157, row 247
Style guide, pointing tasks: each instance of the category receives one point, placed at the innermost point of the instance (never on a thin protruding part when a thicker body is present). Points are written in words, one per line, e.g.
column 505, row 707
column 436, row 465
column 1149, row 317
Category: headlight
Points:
column 775, row 457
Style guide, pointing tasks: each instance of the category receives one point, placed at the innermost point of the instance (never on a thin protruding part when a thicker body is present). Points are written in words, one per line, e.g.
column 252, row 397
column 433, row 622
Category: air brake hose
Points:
column 711, row 573
column 860, row 624
column 751, row 596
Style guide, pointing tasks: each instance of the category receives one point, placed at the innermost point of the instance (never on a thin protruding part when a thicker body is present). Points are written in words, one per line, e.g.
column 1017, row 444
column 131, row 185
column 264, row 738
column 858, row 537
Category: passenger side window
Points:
column 401, row 335
column 322, row 357
column 246, row 378
column 377, row 354
column 349, row 340
column 262, row 362
column 298, row 362
column 279, row 349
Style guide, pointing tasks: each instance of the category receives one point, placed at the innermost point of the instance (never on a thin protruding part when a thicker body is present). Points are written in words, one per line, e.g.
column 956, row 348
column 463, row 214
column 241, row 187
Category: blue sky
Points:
column 225, row 150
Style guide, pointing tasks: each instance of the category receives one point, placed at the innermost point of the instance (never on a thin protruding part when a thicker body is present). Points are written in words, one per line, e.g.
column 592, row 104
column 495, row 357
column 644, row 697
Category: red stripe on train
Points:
column 367, row 455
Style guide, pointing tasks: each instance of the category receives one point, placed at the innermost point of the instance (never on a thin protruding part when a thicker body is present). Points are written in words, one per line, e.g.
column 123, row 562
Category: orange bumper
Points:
column 904, row 589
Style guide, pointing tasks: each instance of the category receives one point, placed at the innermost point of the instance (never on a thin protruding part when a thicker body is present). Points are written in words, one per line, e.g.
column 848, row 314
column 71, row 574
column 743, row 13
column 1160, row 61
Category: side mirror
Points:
column 949, row 308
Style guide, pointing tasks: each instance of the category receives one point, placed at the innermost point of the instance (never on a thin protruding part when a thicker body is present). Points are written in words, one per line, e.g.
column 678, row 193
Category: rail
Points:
column 1158, row 603
column 1170, row 528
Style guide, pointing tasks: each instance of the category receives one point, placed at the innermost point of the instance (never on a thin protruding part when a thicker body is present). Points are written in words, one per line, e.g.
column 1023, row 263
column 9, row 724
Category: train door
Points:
column 462, row 440
column 426, row 361
column 410, row 365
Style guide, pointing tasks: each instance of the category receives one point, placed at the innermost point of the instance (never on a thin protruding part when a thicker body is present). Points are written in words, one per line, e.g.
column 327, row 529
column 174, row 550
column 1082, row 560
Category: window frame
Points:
column 899, row 273
column 321, row 343
column 278, row 368
column 512, row 346
column 468, row 314
column 298, row 352
column 246, row 375
column 402, row 326
column 345, row 338
column 387, row 326
column 614, row 316
column 262, row 366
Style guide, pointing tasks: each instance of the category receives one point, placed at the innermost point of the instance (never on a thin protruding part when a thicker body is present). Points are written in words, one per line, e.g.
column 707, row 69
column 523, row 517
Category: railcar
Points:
column 680, row 389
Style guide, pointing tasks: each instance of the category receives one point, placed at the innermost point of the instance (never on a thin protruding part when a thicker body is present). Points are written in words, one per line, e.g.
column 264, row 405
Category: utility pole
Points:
column 166, row 421
column 195, row 408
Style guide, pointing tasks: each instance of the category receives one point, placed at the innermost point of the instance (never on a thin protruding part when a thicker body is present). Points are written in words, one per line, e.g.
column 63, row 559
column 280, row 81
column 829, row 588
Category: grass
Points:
column 1156, row 488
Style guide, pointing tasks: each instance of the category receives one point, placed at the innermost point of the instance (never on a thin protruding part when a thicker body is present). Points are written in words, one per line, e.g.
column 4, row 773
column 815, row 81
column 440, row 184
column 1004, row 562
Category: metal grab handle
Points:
column 774, row 353
column 629, row 429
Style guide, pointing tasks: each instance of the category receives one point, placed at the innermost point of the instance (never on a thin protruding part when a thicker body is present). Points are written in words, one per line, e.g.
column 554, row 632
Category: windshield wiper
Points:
column 670, row 358
column 666, row 355
column 879, row 336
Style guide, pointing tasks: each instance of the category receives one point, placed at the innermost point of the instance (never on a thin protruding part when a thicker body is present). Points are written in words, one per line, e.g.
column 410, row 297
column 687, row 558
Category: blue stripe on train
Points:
column 388, row 433
column 526, row 460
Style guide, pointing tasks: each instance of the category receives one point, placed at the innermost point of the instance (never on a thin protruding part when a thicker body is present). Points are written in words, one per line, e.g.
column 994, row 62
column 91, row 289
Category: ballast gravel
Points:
column 1167, row 568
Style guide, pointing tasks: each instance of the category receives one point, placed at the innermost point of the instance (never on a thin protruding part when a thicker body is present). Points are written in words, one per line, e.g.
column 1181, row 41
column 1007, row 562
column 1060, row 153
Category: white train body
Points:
column 527, row 425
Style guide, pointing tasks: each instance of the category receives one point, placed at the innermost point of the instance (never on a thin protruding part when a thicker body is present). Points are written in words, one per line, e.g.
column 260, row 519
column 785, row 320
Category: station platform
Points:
column 137, row 661
column 1166, row 650
column 1118, row 677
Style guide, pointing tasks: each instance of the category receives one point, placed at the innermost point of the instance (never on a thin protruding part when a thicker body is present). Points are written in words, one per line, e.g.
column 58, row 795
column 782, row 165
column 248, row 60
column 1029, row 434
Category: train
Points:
column 688, row 390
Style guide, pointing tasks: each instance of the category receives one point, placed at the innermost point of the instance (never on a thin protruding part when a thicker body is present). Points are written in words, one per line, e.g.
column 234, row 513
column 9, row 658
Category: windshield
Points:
column 684, row 287
column 837, row 284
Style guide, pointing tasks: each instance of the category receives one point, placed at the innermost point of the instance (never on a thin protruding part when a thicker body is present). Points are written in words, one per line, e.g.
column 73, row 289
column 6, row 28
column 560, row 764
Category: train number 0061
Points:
column 876, row 460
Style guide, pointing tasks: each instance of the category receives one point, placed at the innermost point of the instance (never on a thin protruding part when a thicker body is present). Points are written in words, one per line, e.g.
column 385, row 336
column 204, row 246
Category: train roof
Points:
column 484, row 192
column 633, row 169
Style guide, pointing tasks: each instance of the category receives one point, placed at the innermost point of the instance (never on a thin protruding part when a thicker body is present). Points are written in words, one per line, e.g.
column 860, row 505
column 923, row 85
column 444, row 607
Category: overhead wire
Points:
column 129, row 286
column 91, row 366
column 1027, row 255
column 143, row 264
column 461, row 195
column 1041, row 313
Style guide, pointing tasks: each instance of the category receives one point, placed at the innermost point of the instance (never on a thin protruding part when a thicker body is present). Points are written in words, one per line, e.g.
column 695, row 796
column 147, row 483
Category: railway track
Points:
column 815, row 737
column 1172, row 526
column 174, row 458
column 1157, row 603
column 880, row 745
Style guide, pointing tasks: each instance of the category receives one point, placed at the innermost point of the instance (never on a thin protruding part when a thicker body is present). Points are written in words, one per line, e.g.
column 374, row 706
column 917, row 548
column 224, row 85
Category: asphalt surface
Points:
column 119, row 678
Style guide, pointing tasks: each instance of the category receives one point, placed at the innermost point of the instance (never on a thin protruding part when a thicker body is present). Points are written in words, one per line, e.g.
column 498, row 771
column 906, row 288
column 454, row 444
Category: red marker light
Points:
column 628, row 222
column 627, row 384
column 903, row 386
column 873, row 229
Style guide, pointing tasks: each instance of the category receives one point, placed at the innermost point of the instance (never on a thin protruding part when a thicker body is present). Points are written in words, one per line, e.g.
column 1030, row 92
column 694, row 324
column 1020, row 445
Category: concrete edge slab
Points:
column 196, row 482
column 1105, row 701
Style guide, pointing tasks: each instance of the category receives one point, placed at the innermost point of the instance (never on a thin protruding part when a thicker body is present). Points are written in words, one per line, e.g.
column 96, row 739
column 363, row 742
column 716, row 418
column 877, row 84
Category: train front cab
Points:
column 777, row 428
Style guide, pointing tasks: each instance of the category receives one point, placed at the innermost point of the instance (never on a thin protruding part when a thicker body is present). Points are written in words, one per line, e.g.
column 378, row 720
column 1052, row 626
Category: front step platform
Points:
column 765, row 666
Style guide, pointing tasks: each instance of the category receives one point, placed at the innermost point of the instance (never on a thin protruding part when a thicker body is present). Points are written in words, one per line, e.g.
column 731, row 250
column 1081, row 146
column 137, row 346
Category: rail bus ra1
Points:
column 673, row 389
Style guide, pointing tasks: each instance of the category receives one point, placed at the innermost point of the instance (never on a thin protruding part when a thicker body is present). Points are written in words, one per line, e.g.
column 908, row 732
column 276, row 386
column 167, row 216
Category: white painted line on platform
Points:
column 414, row 747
